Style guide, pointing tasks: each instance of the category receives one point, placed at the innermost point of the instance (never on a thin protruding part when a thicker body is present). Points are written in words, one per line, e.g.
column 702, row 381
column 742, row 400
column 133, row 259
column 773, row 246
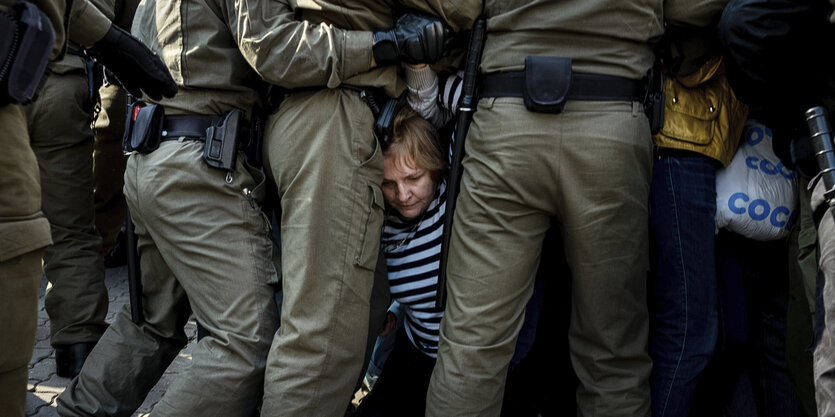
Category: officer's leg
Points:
column 130, row 358
column 328, row 169
column 824, row 353
column 109, row 165
column 214, row 238
column 63, row 142
column 501, row 218
column 605, row 179
column 23, row 232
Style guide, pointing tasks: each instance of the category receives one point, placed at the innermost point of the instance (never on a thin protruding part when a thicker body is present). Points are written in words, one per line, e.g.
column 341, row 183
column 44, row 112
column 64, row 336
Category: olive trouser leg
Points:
column 590, row 168
column 202, row 244
column 321, row 152
column 23, row 232
column 803, row 268
column 109, row 165
column 824, row 353
column 61, row 137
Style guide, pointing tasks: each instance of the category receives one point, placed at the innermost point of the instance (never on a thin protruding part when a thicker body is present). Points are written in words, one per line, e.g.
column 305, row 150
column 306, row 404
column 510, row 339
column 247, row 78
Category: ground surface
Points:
column 45, row 386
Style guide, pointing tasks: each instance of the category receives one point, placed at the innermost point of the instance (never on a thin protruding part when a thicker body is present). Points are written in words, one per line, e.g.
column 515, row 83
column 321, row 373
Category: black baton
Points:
column 821, row 133
column 465, row 115
column 134, row 276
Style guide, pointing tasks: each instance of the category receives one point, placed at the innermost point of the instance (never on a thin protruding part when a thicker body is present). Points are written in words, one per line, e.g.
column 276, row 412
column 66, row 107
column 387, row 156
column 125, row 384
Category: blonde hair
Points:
column 415, row 139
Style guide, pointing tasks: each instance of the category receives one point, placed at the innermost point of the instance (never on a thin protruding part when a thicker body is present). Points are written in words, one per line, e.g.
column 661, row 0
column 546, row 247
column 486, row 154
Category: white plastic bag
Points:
column 755, row 194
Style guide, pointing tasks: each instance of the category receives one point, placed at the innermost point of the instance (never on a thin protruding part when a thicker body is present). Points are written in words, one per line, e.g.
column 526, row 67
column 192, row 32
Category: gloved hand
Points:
column 134, row 65
column 414, row 39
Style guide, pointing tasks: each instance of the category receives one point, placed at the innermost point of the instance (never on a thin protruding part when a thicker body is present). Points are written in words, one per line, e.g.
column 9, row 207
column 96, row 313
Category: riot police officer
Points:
column 559, row 131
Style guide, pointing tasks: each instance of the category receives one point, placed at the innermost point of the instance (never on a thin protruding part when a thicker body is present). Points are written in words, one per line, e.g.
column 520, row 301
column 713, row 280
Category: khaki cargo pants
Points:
column 204, row 248
column 328, row 168
column 589, row 168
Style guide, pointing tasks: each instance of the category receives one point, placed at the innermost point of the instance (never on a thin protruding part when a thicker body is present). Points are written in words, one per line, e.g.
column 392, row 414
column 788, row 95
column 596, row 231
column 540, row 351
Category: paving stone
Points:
column 33, row 403
column 42, row 371
column 39, row 354
column 40, row 400
column 54, row 384
column 42, row 332
column 47, row 411
column 43, row 344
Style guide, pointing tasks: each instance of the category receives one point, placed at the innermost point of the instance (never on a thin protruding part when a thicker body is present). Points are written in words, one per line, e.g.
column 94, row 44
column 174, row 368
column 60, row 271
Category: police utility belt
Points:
column 147, row 126
column 547, row 83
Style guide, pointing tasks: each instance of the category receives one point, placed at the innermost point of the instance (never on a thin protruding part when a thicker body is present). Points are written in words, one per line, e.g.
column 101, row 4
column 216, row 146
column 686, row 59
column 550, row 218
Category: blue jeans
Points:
column 683, row 284
column 385, row 344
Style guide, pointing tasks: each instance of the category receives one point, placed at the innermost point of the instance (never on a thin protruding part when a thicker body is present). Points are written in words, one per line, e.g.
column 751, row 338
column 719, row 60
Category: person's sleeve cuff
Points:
column 87, row 23
column 356, row 53
column 419, row 79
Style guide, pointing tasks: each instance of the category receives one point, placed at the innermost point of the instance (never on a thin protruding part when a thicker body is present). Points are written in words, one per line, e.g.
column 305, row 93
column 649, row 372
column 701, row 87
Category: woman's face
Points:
column 407, row 188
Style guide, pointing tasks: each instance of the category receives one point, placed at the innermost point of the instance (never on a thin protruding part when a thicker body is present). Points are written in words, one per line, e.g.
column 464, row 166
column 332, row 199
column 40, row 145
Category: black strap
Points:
column 182, row 125
column 592, row 87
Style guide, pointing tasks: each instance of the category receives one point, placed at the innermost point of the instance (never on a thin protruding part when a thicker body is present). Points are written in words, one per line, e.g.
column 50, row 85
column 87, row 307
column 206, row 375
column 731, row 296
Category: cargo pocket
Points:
column 369, row 245
column 692, row 114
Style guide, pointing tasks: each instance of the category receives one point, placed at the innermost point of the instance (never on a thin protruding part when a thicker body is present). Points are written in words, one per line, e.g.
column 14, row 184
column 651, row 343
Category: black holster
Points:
column 654, row 101
column 26, row 41
column 223, row 139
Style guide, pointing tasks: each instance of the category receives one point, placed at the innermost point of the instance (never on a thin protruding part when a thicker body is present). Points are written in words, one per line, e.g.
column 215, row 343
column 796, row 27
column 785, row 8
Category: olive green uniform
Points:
column 589, row 168
column 109, row 165
column 23, row 228
column 59, row 127
column 321, row 152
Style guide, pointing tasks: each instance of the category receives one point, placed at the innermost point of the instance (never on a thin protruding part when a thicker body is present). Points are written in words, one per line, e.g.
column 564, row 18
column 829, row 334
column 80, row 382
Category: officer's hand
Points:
column 134, row 65
column 414, row 39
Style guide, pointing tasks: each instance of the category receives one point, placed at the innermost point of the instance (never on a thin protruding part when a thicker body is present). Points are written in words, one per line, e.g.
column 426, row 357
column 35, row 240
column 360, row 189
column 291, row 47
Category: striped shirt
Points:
column 413, row 246
column 413, row 250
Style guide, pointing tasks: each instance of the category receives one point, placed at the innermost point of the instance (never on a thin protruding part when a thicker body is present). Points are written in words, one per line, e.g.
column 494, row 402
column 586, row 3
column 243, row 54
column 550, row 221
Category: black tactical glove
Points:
column 414, row 39
column 134, row 65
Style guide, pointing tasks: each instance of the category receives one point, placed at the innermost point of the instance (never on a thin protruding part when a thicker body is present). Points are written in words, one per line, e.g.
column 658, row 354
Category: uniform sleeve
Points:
column 458, row 14
column 698, row 13
column 292, row 53
column 87, row 24
column 55, row 11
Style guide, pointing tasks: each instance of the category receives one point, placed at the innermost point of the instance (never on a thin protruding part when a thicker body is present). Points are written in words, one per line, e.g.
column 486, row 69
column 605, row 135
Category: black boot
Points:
column 70, row 358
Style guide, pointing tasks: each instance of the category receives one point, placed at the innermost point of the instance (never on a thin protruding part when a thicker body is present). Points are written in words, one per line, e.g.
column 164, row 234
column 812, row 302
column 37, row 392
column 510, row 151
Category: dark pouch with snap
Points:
column 222, row 141
column 547, row 81
column 147, row 128
column 130, row 118
column 25, row 48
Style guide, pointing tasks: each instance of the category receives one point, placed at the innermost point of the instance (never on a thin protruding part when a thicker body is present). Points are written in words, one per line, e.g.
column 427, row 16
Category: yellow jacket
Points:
column 702, row 113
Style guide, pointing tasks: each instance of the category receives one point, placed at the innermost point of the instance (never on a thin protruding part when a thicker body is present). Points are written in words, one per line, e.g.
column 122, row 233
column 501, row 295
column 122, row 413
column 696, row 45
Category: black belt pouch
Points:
column 147, row 129
column 547, row 81
column 28, row 50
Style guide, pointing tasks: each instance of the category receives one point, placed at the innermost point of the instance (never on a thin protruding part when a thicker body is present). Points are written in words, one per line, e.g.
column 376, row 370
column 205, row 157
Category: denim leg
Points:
column 683, row 284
